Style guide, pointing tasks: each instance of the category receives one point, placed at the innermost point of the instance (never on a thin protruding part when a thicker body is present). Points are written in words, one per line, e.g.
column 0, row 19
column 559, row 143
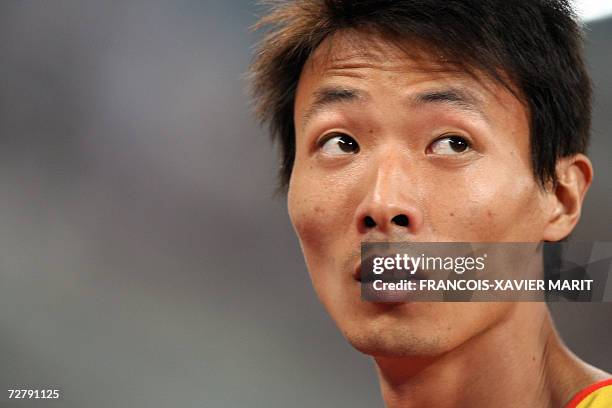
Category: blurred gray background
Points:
column 143, row 259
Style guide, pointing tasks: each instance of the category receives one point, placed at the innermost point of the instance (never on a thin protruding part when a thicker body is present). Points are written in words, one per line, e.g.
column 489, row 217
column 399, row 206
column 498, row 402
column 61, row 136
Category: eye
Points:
column 449, row 145
column 338, row 144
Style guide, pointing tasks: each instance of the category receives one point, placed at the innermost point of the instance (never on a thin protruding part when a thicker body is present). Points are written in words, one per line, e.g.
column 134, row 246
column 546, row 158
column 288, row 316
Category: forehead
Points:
column 350, row 46
column 385, row 68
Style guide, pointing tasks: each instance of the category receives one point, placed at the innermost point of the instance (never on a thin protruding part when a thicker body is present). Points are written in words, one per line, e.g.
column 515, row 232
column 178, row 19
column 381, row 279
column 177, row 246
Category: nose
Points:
column 390, row 200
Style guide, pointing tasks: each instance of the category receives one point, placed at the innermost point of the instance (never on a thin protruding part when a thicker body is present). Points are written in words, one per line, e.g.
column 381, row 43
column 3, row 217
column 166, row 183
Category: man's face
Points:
column 380, row 134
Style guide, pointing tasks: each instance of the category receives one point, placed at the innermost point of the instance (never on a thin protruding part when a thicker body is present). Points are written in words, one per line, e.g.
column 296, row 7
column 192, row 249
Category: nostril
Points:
column 400, row 220
column 369, row 222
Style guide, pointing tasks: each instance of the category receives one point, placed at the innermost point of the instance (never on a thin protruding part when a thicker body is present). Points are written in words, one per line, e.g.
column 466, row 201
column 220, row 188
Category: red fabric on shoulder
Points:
column 585, row 392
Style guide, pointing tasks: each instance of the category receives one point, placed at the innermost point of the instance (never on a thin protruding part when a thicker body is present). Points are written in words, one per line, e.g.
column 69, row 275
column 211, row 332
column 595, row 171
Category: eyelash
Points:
column 451, row 136
column 325, row 138
column 328, row 136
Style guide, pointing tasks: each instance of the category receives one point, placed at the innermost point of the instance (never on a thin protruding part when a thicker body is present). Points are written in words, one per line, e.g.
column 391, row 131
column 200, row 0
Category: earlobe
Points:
column 574, row 175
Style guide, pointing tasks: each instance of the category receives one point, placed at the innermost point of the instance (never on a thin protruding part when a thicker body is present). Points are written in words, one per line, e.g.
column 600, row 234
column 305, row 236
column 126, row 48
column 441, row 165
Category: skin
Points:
column 428, row 354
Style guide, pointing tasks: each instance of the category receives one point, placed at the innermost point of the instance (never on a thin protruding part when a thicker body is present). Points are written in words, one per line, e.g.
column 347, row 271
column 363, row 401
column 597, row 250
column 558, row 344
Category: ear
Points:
column 574, row 175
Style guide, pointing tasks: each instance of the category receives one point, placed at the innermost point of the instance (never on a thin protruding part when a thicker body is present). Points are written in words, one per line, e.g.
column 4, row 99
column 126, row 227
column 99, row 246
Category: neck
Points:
column 518, row 362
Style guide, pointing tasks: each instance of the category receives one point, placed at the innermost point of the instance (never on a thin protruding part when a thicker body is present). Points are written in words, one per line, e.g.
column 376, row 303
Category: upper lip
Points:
column 357, row 270
column 417, row 275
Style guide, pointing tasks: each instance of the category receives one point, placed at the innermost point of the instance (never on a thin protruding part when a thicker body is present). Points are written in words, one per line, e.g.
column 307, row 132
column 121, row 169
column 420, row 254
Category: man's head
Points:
column 423, row 121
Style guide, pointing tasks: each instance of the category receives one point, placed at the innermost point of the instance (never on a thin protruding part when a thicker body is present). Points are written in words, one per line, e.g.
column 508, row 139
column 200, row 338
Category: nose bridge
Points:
column 389, row 201
column 387, row 181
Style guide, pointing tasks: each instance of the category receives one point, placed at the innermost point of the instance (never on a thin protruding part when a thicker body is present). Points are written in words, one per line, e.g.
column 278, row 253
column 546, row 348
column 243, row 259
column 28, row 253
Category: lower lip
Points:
column 386, row 297
column 369, row 294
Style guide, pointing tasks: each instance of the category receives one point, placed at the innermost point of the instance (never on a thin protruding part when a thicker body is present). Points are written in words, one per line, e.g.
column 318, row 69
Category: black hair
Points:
column 532, row 46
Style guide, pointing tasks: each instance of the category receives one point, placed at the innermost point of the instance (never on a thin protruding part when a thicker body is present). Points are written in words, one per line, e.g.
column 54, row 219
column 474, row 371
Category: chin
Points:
column 395, row 341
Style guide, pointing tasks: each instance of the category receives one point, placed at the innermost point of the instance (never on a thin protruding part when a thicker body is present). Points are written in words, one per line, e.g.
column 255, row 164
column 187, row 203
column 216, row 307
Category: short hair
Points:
column 536, row 44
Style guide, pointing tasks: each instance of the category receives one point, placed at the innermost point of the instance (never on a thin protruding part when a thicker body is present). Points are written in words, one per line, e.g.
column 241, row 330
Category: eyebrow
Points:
column 455, row 97
column 331, row 95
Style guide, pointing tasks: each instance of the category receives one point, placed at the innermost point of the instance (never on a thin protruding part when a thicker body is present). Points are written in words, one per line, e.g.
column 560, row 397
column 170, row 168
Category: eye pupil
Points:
column 339, row 144
column 347, row 144
column 458, row 144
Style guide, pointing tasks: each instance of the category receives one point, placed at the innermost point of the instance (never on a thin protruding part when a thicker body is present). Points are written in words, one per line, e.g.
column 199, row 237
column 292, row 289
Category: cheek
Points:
column 308, row 219
column 316, row 210
column 314, row 213
column 521, row 212
column 506, row 206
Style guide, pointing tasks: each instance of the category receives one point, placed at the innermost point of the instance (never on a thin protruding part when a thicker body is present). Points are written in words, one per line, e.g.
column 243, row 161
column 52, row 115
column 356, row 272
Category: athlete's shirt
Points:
column 598, row 395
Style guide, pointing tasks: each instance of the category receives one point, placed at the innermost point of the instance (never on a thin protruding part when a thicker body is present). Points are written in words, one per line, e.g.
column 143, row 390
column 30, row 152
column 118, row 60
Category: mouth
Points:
column 357, row 271
column 368, row 278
